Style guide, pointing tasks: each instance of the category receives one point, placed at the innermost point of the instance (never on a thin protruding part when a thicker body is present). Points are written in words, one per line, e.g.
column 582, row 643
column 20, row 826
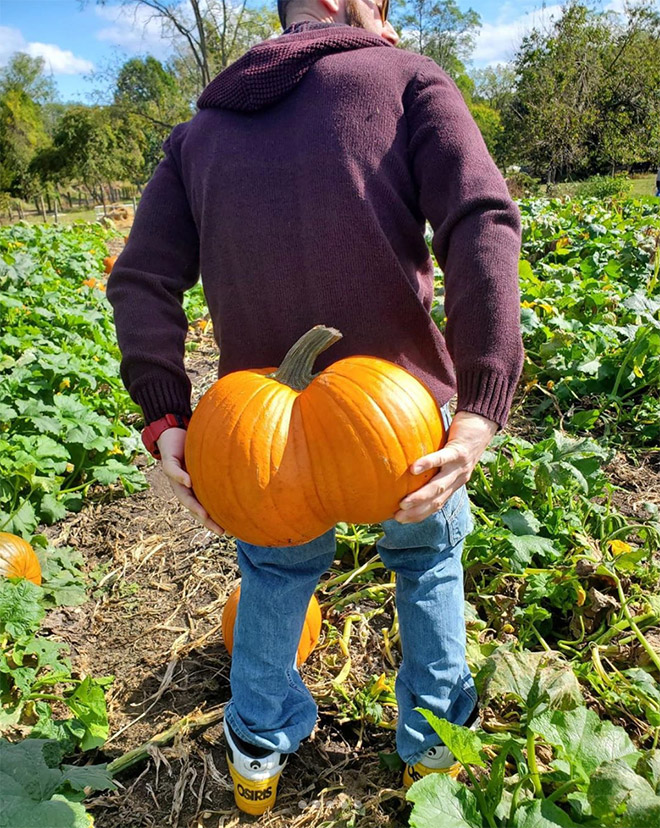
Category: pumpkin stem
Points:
column 296, row 368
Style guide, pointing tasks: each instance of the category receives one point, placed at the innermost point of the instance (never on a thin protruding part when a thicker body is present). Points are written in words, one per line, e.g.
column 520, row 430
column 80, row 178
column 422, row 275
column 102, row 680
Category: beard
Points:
column 354, row 14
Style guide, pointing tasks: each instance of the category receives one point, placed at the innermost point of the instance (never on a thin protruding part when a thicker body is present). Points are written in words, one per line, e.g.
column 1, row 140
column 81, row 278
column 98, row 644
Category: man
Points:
column 301, row 189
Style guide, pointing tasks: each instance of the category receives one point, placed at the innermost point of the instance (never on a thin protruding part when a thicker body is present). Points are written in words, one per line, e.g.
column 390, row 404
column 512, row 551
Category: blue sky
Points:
column 77, row 41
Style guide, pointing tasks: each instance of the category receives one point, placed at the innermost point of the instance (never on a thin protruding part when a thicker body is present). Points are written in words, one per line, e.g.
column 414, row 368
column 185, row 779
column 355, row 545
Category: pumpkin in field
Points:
column 109, row 263
column 277, row 456
column 18, row 559
column 308, row 639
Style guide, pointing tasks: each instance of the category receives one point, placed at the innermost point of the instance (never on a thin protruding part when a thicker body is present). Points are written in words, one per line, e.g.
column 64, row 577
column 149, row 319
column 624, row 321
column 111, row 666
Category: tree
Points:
column 208, row 35
column 628, row 127
column 494, row 86
column 25, row 74
column 439, row 30
column 86, row 148
column 490, row 123
column 23, row 88
column 588, row 92
column 554, row 109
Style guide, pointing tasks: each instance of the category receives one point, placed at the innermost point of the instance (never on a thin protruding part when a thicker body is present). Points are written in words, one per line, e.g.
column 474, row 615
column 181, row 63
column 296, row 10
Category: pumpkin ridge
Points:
column 328, row 394
column 274, row 389
column 385, row 420
column 208, row 435
column 319, row 500
column 274, row 501
column 401, row 388
column 239, row 507
column 310, row 413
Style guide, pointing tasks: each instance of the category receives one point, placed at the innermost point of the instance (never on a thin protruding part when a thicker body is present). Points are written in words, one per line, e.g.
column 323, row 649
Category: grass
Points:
column 643, row 185
column 68, row 217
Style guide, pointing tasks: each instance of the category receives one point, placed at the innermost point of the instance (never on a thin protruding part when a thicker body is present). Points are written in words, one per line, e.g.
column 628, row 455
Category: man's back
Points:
column 307, row 176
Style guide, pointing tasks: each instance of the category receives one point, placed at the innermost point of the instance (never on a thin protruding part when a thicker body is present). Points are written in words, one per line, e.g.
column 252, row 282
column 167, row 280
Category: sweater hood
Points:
column 271, row 69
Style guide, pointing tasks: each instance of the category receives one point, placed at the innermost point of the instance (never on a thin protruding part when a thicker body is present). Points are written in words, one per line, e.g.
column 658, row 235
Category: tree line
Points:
column 580, row 96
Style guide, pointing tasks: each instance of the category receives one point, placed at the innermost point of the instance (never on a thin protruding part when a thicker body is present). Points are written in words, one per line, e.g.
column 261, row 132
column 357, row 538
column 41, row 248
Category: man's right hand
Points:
column 171, row 445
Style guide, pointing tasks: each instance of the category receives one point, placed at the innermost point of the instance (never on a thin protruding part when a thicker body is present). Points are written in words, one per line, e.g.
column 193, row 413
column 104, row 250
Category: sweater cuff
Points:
column 487, row 393
column 160, row 397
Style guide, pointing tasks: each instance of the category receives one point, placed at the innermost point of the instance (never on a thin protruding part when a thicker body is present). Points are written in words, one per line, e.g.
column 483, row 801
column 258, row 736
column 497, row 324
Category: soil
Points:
column 153, row 622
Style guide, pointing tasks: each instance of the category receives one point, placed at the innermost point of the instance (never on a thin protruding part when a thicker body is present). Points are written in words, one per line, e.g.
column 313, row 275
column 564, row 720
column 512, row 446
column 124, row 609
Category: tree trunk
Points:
column 105, row 209
column 50, row 206
column 69, row 199
column 42, row 207
column 19, row 207
column 57, row 215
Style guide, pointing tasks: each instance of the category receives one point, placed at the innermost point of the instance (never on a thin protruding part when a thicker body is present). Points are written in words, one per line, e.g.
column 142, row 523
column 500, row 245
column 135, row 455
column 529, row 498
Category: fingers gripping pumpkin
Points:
column 277, row 456
column 308, row 639
column 18, row 559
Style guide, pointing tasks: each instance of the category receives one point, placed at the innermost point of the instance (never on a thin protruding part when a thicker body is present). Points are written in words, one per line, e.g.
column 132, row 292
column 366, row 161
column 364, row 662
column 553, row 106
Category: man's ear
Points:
column 332, row 6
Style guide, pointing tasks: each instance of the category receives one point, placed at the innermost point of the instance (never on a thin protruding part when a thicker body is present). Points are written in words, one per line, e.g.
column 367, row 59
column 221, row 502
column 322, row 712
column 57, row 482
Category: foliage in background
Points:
column 587, row 93
column 64, row 411
column 590, row 288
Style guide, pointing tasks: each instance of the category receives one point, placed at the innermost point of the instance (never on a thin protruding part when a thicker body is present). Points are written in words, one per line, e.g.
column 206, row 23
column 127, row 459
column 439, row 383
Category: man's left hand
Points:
column 469, row 435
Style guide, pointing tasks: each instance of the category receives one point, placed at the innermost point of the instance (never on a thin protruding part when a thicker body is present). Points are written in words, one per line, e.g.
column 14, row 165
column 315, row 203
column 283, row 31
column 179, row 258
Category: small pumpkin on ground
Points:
column 18, row 559
column 277, row 456
column 108, row 264
column 308, row 639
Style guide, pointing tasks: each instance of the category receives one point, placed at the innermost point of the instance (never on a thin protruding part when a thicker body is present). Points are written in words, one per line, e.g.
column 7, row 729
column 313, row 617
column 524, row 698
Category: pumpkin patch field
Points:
column 113, row 671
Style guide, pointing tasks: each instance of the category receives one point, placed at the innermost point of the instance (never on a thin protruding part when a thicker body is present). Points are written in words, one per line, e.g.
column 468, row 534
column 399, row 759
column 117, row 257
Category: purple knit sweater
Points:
column 300, row 190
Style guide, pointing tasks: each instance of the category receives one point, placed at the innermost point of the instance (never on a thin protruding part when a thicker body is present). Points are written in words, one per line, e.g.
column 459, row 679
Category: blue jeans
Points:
column 271, row 707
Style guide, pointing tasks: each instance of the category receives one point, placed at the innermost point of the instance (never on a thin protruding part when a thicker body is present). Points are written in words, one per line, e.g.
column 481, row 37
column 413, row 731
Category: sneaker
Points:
column 255, row 773
column 438, row 759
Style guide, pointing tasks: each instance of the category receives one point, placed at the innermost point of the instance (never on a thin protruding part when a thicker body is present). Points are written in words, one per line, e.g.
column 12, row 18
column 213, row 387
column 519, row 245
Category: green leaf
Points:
column 614, row 786
column 391, row 761
column 29, row 781
column 582, row 739
column 536, row 814
column 461, row 741
column 531, row 678
column 20, row 607
column 526, row 547
column 31, row 768
column 88, row 704
column 649, row 767
column 23, row 522
column 20, row 811
column 51, row 509
column 440, row 800
column 521, row 523
column 95, row 777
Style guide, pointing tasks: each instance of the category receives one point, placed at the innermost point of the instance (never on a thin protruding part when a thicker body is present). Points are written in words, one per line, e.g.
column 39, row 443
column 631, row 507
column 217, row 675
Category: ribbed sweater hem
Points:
column 161, row 397
column 487, row 393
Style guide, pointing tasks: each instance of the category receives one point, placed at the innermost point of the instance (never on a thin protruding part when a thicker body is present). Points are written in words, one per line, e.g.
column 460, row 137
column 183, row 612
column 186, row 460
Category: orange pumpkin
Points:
column 18, row 559
column 277, row 456
column 308, row 639
column 109, row 263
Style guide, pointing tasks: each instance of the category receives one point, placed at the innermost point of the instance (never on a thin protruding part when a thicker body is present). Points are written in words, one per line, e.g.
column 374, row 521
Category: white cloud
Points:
column 497, row 42
column 58, row 61
column 134, row 29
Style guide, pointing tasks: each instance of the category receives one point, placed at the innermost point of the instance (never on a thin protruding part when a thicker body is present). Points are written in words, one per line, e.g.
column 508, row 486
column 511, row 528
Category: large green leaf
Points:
column 536, row 814
column 20, row 608
column 582, row 739
column 440, row 800
column 615, row 786
column 461, row 741
column 531, row 678
column 88, row 703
